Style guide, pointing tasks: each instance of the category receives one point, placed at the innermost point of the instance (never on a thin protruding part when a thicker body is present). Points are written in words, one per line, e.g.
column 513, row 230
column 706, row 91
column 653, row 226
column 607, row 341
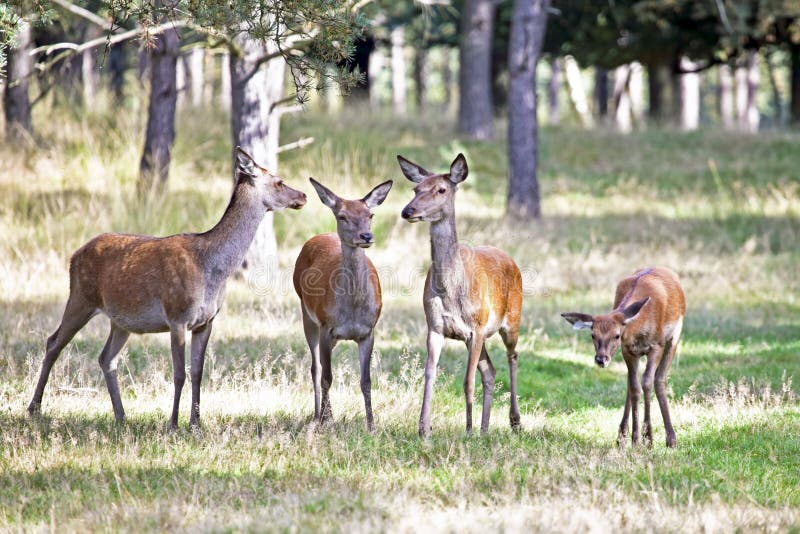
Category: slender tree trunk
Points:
column 747, row 79
column 689, row 97
column 525, row 45
column 255, row 127
column 154, row 167
column 16, row 101
column 635, row 92
column 725, row 96
column 420, row 60
column 659, row 87
column 399, row 89
column 621, row 98
column 180, row 80
column 90, row 75
column 794, row 84
column 476, row 109
column 553, row 90
column 601, row 92
column 377, row 61
column 777, row 101
column 117, row 65
column 225, row 81
column 196, row 75
column 577, row 91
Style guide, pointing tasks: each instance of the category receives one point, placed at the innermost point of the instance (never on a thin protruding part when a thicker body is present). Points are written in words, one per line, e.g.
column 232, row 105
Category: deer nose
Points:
column 366, row 236
column 407, row 212
column 602, row 361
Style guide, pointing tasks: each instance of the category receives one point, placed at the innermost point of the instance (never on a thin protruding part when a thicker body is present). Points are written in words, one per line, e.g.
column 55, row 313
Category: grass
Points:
column 721, row 209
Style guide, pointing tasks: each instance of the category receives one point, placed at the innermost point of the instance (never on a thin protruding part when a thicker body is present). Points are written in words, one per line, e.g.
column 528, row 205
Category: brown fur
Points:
column 147, row 284
column 647, row 321
column 340, row 294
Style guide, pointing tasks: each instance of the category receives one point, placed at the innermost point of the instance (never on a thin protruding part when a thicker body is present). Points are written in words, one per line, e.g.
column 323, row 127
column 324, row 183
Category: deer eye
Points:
column 371, row 215
column 342, row 218
column 279, row 184
column 442, row 190
column 616, row 337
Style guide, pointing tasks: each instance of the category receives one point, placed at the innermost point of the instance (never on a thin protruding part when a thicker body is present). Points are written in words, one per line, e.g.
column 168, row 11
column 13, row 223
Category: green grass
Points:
column 721, row 209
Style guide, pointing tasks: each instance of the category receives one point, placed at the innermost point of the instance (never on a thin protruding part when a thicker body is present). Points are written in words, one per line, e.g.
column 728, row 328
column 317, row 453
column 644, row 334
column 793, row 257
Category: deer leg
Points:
column 178, row 342
column 510, row 341
column 622, row 436
column 488, row 374
column 312, row 338
column 75, row 317
column 648, row 377
column 108, row 363
column 633, row 394
column 200, row 338
column 326, row 345
column 474, row 345
column 435, row 344
column 364, row 358
column 661, row 390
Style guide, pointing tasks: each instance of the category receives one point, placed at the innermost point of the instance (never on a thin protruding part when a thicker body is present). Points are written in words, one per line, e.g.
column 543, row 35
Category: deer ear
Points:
column 244, row 162
column 459, row 169
column 412, row 171
column 579, row 321
column 630, row 313
column 327, row 196
column 377, row 195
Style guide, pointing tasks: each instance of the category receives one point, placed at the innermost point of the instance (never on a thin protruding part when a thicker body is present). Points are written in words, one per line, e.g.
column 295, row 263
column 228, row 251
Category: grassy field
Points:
column 721, row 209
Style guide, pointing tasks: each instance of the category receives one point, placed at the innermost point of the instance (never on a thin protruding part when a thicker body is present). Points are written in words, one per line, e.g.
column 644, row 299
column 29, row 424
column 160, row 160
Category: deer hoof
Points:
column 672, row 441
column 34, row 409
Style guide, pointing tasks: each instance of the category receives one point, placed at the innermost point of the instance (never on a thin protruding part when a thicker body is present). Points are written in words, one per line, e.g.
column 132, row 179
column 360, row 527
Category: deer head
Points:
column 353, row 217
column 269, row 188
column 434, row 195
column 607, row 330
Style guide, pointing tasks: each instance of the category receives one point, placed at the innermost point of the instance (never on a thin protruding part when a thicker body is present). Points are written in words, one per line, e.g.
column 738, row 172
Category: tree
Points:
column 19, row 69
column 527, row 35
column 160, row 133
column 475, row 110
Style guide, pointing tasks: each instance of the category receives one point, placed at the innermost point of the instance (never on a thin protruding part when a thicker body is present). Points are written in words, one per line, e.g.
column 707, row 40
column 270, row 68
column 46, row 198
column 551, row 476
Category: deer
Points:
column 172, row 284
column 340, row 293
column 647, row 321
column 470, row 293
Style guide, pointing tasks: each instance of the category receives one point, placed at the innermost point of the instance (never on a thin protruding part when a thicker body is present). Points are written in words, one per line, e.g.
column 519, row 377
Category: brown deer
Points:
column 340, row 294
column 169, row 284
column 470, row 293
column 647, row 320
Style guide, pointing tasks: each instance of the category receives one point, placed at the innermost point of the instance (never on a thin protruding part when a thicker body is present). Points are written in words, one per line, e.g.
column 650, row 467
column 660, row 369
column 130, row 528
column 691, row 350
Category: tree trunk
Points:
column 635, row 92
column 601, row 92
column 225, row 81
column 180, row 80
column 661, row 97
column 195, row 74
column 399, row 69
column 90, row 75
column 117, row 65
column 476, row 110
column 621, row 98
column 377, row 61
column 577, row 91
column 725, row 95
column 420, row 57
column 16, row 102
column 794, row 104
column 553, row 90
column 747, row 78
column 777, row 101
column 525, row 45
column 255, row 127
column 154, row 167
column 689, row 96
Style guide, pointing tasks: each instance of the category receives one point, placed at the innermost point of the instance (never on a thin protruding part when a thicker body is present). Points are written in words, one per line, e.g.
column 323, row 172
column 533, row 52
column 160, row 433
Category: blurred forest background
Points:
column 601, row 137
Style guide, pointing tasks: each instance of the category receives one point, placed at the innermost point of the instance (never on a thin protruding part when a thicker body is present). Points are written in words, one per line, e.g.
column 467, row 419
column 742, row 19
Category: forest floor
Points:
column 721, row 209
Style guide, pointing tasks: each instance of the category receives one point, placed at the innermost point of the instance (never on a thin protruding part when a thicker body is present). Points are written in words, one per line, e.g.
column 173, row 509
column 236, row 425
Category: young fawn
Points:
column 647, row 321
column 169, row 284
column 470, row 293
column 339, row 290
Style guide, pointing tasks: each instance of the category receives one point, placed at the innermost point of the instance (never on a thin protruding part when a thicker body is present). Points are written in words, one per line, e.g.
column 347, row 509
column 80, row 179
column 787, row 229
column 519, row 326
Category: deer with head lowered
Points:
column 470, row 293
column 169, row 284
column 647, row 321
column 340, row 294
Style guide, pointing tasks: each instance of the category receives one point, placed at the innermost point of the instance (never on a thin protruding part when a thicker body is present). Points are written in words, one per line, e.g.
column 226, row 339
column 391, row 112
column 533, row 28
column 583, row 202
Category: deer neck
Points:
column 354, row 276
column 228, row 241
column 447, row 267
